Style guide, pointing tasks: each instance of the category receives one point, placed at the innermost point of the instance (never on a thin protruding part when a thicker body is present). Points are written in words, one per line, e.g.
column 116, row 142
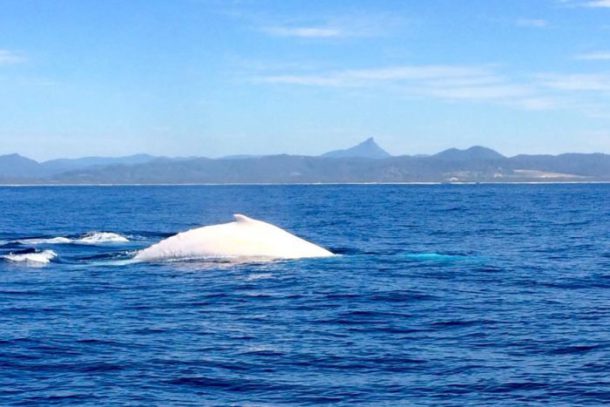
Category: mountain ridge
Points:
column 355, row 164
column 471, row 153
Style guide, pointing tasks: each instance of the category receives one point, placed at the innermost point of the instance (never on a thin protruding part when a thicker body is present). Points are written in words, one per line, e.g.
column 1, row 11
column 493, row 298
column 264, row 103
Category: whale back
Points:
column 243, row 238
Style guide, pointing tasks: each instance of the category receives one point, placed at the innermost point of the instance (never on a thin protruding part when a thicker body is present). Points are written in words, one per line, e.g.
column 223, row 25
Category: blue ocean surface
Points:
column 440, row 295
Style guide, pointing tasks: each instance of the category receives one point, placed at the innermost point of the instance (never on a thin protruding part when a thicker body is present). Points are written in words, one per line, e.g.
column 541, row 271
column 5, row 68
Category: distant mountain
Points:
column 475, row 164
column 367, row 149
column 470, row 154
column 302, row 169
column 17, row 166
column 69, row 164
column 240, row 156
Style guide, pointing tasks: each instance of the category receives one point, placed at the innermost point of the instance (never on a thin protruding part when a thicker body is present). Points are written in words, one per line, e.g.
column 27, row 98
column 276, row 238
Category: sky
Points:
column 214, row 78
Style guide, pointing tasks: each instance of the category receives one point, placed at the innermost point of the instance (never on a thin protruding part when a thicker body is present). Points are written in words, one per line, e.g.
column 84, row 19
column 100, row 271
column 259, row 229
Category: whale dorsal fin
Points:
column 239, row 218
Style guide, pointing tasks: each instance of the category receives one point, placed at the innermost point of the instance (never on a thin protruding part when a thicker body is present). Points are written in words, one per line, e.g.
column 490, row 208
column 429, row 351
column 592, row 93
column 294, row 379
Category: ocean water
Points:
column 440, row 295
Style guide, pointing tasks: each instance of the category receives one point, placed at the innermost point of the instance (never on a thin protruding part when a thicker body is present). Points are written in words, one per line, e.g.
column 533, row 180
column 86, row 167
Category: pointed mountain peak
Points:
column 367, row 149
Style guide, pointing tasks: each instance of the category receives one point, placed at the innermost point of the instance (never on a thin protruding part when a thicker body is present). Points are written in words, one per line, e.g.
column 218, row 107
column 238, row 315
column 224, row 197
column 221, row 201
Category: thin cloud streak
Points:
column 532, row 22
column 328, row 26
column 305, row 32
column 445, row 82
column 598, row 4
column 577, row 82
column 594, row 56
column 584, row 3
column 369, row 77
column 8, row 57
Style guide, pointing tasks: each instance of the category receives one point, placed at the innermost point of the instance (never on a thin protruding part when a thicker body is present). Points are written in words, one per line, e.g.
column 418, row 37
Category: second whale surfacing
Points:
column 243, row 239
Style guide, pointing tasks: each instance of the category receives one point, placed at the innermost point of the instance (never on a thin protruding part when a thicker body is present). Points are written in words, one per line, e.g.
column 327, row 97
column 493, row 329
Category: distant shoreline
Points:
column 310, row 184
column 366, row 163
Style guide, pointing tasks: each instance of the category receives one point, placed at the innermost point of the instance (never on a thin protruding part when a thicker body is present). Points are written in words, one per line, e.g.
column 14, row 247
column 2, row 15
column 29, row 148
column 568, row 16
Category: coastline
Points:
column 309, row 184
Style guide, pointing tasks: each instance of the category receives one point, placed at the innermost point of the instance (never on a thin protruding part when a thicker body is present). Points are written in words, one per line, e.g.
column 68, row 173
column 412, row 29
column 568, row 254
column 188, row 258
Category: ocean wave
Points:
column 34, row 258
column 92, row 238
column 52, row 240
column 101, row 237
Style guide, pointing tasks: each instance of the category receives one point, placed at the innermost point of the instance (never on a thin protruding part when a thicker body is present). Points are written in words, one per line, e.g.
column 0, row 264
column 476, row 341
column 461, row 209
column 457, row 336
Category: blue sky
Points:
column 212, row 78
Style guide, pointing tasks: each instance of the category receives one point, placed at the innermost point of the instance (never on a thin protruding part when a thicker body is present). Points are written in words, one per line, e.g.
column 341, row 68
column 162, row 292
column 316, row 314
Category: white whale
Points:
column 245, row 238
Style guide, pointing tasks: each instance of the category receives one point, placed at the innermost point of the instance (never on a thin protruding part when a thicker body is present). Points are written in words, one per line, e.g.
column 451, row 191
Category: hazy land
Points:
column 366, row 162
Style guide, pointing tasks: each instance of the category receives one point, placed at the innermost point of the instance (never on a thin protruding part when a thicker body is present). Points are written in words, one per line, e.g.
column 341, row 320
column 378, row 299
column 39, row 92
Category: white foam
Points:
column 101, row 238
column 92, row 238
column 52, row 240
column 259, row 276
column 38, row 258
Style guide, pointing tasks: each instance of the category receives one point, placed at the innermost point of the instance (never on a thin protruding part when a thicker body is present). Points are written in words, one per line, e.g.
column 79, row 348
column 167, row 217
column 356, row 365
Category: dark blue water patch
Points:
column 347, row 251
column 439, row 295
column 104, row 256
column 23, row 250
column 10, row 245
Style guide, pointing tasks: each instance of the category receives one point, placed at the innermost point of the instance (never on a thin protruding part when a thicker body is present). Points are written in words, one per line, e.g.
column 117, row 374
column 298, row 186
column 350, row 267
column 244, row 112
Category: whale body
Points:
column 243, row 238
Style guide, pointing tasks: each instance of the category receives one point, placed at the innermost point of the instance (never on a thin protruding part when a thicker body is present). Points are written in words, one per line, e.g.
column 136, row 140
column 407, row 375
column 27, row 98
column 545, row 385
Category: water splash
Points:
column 91, row 238
column 34, row 258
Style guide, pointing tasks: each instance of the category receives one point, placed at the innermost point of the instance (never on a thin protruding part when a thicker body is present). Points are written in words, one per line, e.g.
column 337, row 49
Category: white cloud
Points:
column 595, row 56
column 577, row 82
column 494, row 92
column 532, row 22
column 369, row 77
column 598, row 4
column 305, row 32
column 584, row 3
column 327, row 26
column 586, row 93
column 444, row 82
column 10, row 57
